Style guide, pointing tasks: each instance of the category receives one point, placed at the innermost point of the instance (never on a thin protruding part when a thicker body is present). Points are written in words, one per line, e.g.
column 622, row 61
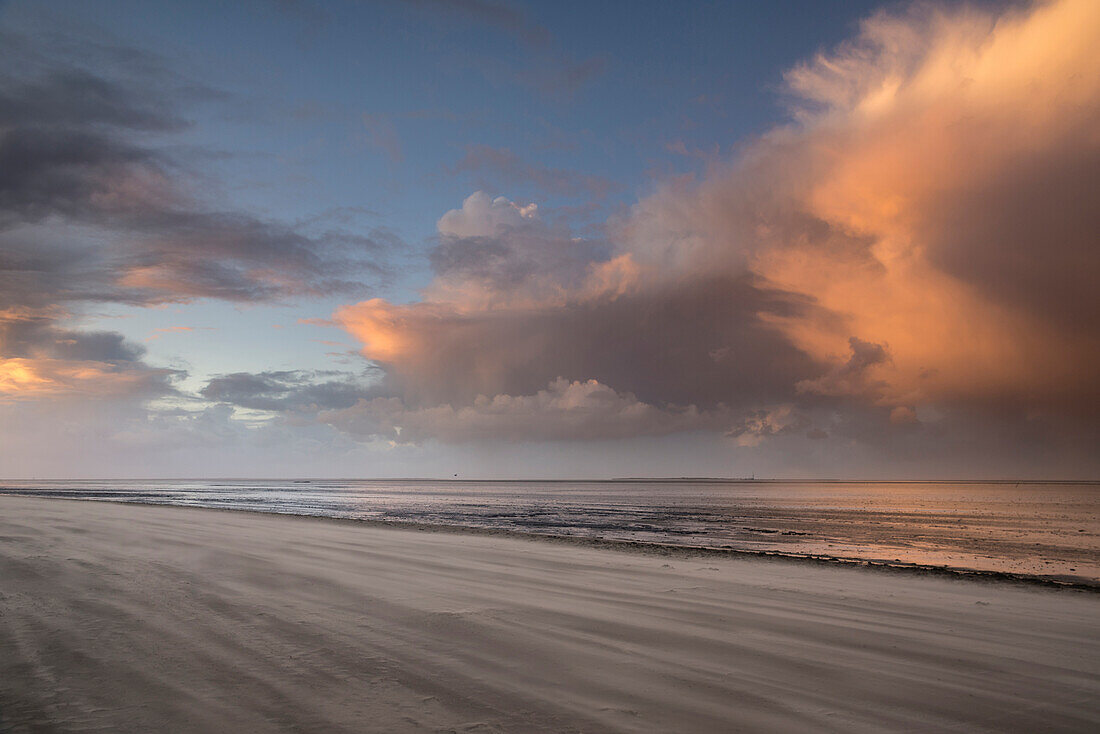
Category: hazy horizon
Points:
column 579, row 478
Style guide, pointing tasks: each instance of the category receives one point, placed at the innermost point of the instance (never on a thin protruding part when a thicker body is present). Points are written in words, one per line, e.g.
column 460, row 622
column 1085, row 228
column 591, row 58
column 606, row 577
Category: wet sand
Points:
column 135, row 618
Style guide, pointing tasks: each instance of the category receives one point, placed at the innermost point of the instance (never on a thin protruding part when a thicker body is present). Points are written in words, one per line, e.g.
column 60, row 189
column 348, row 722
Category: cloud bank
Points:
column 562, row 411
column 914, row 254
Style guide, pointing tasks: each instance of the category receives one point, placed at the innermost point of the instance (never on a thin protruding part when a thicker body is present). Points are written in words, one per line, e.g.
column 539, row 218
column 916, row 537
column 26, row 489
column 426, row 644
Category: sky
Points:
column 505, row 239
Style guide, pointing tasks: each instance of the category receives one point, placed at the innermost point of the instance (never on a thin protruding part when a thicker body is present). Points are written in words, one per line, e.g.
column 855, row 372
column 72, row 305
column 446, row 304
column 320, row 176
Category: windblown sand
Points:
column 128, row 618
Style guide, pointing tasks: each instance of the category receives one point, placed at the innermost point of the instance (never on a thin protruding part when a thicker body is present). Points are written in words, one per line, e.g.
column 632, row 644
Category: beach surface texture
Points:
column 134, row 618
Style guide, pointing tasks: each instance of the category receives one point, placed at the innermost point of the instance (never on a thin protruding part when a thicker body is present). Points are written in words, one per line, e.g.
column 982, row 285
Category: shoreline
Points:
column 652, row 547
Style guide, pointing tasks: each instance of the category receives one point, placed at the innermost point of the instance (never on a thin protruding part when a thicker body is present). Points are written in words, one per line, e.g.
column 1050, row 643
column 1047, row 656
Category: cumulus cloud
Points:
column 517, row 305
column 485, row 216
column 761, row 424
column 953, row 155
column 932, row 197
column 921, row 238
column 494, row 252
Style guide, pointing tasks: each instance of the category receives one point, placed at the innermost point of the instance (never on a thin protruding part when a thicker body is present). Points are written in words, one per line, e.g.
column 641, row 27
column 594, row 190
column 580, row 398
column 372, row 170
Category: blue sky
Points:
column 365, row 111
column 320, row 230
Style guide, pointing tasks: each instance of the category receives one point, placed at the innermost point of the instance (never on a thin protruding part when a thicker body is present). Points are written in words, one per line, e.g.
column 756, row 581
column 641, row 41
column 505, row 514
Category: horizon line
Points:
column 743, row 480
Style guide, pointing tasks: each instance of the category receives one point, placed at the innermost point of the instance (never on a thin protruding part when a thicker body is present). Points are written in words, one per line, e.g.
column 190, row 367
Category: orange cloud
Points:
column 923, row 233
column 938, row 131
column 23, row 378
column 937, row 197
column 381, row 326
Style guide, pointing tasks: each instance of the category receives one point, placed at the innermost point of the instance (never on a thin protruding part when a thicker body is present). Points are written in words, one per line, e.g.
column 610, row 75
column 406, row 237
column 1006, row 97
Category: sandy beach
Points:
column 135, row 618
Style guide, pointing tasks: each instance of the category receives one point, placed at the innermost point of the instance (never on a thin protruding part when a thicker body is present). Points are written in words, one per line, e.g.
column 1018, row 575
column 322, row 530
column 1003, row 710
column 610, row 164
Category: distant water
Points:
column 1050, row 529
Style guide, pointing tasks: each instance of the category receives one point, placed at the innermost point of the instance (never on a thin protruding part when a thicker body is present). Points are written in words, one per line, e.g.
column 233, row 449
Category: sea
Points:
column 1041, row 530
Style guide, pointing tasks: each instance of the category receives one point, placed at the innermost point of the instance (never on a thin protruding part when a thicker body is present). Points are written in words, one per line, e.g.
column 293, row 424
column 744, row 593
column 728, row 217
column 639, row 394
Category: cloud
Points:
column 931, row 197
column 976, row 273
column 75, row 97
column 637, row 343
column 484, row 216
column 494, row 251
column 919, row 240
column 286, row 391
column 94, row 208
column 517, row 304
column 852, row 377
column 25, row 378
column 761, row 424
column 562, row 411
column 510, row 170
column 39, row 359
column 85, row 169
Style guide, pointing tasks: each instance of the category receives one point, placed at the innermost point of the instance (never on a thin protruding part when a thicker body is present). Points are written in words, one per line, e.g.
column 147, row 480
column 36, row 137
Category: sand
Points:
column 127, row 618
